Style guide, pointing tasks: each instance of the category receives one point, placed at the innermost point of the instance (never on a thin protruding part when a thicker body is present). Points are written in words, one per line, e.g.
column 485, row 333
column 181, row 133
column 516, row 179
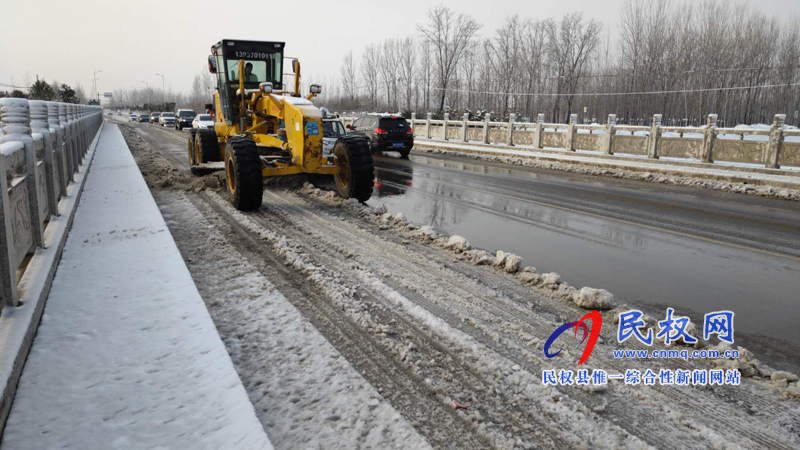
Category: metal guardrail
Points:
column 42, row 146
column 693, row 143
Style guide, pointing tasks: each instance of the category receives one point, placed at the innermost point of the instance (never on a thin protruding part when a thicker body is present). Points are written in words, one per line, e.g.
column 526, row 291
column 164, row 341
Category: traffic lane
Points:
column 761, row 223
column 646, row 266
column 171, row 143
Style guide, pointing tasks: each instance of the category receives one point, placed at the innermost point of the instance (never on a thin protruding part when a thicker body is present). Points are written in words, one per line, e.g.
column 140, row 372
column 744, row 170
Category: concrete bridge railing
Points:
column 764, row 145
column 42, row 146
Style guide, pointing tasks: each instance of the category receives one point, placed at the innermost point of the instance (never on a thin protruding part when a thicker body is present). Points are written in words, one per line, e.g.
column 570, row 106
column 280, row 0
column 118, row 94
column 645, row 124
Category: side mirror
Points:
column 316, row 89
column 212, row 64
column 265, row 87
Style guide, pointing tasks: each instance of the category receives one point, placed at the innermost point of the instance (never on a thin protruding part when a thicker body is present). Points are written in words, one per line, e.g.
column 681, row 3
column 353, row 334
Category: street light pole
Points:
column 162, row 90
column 94, row 82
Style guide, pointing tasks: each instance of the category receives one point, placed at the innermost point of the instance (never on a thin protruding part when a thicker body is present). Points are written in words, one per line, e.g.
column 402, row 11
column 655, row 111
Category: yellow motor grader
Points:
column 262, row 130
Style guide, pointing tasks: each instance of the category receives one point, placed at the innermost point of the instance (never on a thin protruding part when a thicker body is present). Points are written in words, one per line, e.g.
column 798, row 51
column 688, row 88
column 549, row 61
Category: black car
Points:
column 385, row 133
column 144, row 118
column 184, row 119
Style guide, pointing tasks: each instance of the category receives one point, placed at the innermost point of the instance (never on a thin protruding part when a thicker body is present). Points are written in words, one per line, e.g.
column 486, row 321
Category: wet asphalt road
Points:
column 651, row 245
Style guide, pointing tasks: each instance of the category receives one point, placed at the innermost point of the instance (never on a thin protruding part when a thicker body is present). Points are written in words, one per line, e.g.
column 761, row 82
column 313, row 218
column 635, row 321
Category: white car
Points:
column 166, row 119
column 203, row 122
column 332, row 130
column 133, row 118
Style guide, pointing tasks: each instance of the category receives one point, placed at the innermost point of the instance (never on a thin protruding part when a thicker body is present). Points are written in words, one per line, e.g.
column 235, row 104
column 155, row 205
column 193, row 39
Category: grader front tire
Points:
column 356, row 174
column 243, row 170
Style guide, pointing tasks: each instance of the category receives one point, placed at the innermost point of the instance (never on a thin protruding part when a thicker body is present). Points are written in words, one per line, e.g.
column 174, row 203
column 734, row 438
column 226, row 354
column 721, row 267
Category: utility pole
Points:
column 163, row 101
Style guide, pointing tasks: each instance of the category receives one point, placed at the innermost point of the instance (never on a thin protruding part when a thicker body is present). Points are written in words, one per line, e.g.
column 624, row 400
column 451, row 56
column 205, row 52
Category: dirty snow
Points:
column 305, row 393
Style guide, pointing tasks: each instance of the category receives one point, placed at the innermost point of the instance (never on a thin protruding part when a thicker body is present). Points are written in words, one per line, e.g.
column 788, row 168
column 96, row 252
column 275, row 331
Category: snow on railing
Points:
column 42, row 145
column 654, row 141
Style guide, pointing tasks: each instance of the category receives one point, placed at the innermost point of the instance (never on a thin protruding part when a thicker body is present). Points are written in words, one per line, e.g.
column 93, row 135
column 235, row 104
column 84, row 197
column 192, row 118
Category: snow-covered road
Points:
column 126, row 355
column 349, row 329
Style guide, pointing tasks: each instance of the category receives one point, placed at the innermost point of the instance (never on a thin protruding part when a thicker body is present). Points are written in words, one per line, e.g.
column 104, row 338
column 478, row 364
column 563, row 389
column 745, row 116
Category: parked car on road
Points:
column 166, row 119
column 133, row 117
column 154, row 116
column 144, row 118
column 385, row 133
column 184, row 118
column 202, row 122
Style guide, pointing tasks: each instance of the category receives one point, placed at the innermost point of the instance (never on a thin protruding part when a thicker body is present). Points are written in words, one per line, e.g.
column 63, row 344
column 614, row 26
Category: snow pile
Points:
column 551, row 280
column 590, row 298
column 699, row 181
column 507, row 261
column 457, row 243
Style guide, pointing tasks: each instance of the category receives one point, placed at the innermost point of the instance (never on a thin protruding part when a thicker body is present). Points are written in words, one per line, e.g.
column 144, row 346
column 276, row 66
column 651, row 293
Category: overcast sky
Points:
column 132, row 40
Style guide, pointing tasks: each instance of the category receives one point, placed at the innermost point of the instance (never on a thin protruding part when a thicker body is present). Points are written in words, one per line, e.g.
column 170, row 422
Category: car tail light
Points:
column 410, row 131
column 380, row 131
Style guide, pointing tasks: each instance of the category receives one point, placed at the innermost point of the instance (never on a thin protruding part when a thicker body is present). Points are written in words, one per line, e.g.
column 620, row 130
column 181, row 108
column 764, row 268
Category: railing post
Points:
column 428, row 126
column 486, row 119
column 73, row 140
column 775, row 142
column 709, row 136
column 655, row 136
column 539, row 138
column 446, row 118
column 15, row 119
column 465, row 124
column 510, row 138
column 573, row 118
column 413, row 121
column 39, row 125
column 82, row 123
column 609, row 137
column 60, row 168
column 8, row 267
column 69, row 145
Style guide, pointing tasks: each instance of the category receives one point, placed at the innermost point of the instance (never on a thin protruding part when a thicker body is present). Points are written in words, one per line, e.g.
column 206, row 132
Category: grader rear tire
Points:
column 243, row 170
column 192, row 148
column 356, row 174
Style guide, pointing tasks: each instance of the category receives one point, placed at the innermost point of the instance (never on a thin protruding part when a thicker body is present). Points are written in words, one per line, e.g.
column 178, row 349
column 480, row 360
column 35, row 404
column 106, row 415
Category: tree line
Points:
column 681, row 59
column 42, row 90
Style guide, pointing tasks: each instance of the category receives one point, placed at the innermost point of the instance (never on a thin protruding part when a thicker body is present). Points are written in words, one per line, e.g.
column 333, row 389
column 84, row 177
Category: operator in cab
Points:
column 249, row 76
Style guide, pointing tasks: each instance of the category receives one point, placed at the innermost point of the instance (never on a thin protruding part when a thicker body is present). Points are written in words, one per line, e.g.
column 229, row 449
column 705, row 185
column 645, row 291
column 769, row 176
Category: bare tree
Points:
column 407, row 54
column 571, row 43
column 349, row 77
column 449, row 35
column 369, row 63
column 388, row 62
column 505, row 51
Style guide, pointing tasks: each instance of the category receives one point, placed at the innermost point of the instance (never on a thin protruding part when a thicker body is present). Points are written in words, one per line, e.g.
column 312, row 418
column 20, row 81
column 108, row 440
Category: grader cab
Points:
column 263, row 130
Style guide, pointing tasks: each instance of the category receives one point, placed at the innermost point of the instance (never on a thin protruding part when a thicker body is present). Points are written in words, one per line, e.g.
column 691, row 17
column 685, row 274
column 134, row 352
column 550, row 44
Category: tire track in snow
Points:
column 707, row 415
